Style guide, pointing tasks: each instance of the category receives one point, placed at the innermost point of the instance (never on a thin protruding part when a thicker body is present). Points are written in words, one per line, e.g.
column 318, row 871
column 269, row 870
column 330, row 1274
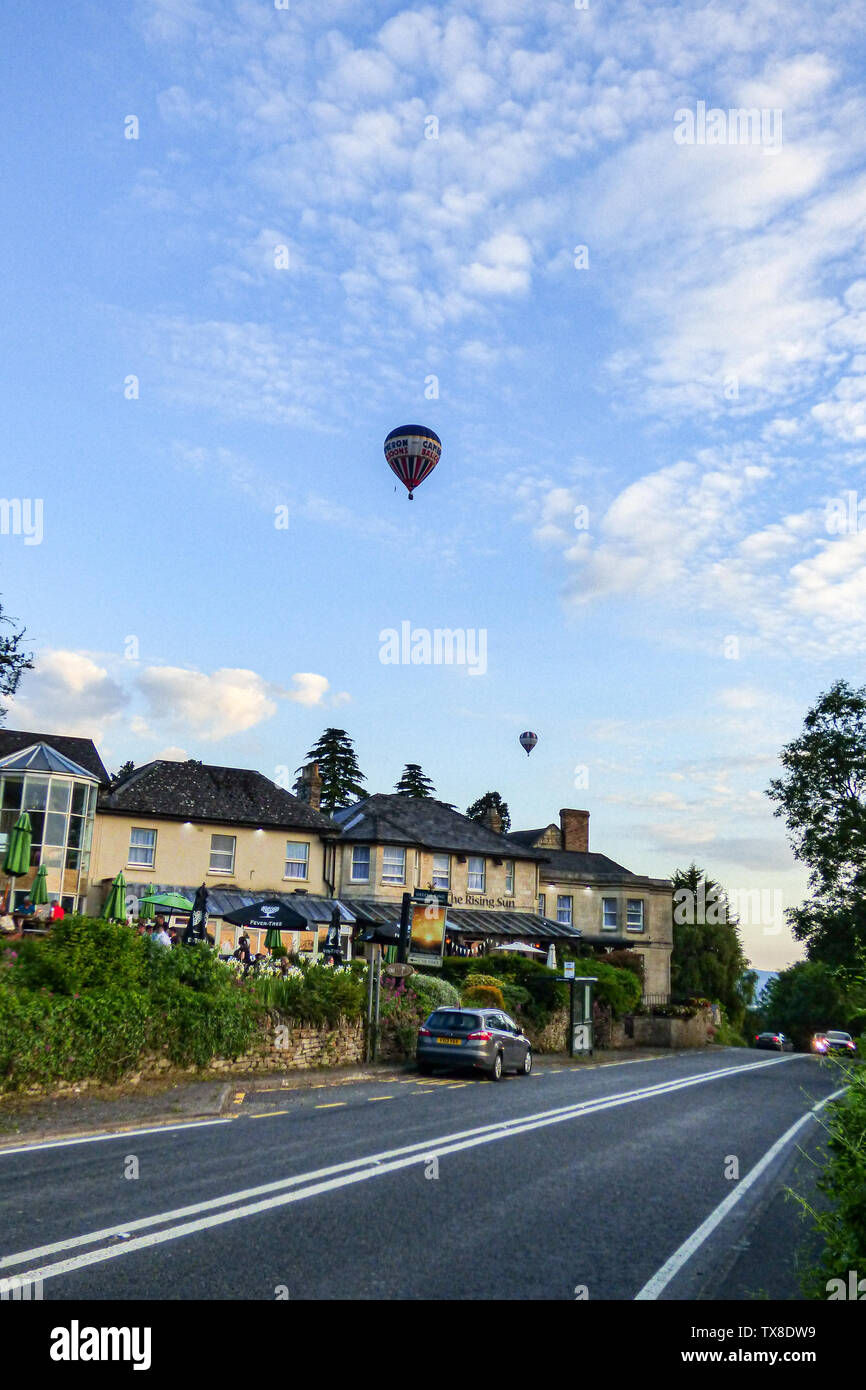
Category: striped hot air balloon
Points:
column 412, row 452
column 528, row 741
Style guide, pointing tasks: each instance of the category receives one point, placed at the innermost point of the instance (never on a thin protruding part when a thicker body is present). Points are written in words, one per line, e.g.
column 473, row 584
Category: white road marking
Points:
column 660, row 1280
column 116, row 1134
column 342, row 1174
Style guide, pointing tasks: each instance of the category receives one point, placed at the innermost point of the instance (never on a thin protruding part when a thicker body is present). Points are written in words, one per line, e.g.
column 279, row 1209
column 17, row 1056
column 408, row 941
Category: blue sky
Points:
column 699, row 387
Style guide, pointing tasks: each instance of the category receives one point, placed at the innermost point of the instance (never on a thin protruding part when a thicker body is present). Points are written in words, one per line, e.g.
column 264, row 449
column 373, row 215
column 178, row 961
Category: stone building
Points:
column 612, row 907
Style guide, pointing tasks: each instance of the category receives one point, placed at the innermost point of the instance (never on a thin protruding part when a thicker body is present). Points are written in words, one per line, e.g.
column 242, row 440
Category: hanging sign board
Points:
column 427, row 937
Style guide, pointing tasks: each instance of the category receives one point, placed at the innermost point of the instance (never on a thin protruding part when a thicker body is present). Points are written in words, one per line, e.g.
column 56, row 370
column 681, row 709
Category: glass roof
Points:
column 39, row 757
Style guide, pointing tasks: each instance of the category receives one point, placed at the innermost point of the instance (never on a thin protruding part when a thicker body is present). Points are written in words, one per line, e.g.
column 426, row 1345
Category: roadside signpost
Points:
column 580, row 1030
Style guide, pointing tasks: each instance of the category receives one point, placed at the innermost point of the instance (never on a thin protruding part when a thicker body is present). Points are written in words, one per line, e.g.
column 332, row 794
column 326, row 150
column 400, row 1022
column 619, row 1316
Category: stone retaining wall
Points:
column 671, row 1032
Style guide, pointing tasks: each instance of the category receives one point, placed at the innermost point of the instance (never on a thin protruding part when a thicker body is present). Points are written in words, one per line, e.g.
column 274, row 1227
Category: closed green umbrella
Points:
column 17, row 859
column 39, row 891
column 115, row 905
column 273, row 938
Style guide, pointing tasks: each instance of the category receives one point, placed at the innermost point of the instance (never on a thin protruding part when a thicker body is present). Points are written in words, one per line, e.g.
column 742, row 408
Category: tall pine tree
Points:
column 341, row 776
column 414, row 783
column 490, row 801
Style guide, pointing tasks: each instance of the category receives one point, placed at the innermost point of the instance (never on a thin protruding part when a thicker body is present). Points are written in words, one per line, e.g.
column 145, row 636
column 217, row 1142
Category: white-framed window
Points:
column 563, row 910
column 360, row 863
column 542, row 904
column 297, row 859
column 634, row 914
column 608, row 914
column 142, row 847
column 476, row 879
column 442, row 871
column 393, row 864
column 222, row 854
column 509, row 878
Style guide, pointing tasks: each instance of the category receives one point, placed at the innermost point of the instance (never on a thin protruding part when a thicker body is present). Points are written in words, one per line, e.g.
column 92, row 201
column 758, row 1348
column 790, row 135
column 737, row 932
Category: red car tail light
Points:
column 424, row 1033
column 483, row 1036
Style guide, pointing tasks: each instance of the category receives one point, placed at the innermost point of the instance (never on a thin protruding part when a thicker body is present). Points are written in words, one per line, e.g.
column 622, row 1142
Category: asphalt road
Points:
column 569, row 1183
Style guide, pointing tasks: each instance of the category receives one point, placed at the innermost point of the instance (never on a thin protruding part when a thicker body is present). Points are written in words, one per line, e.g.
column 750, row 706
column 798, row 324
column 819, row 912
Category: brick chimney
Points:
column 575, row 830
column 310, row 785
column 492, row 820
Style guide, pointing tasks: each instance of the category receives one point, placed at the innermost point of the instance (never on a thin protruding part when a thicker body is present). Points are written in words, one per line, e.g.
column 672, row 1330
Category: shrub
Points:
column 484, row 996
column 134, row 998
column 619, row 990
column 402, row 1012
column 474, row 981
column 626, row 960
column 433, row 992
column 546, row 993
column 843, row 1182
column 313, row 993
column 516, row 998
column 82, row 953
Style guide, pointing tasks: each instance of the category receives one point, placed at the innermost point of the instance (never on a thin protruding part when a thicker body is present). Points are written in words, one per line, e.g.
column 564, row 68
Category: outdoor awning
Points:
column 622, row 943
column 465, row 921
column 221, row 901
column 513, row 926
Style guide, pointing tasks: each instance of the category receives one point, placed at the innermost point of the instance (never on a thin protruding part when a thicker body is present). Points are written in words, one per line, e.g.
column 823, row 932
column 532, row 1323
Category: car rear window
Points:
column 451, row 1020
column 839, row 1037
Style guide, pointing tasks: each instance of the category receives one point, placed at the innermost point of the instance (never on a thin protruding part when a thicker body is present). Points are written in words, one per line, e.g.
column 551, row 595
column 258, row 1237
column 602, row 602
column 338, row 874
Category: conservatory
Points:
column 59, row 796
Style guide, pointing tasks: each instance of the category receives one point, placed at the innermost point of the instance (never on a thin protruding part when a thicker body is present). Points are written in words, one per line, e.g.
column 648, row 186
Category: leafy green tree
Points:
column 490, row 801
column 822, row 796
column 414, row 783
column 14, row 661
column 338, row 768
column 122, row 773
column 807, row 997
column 707, row 961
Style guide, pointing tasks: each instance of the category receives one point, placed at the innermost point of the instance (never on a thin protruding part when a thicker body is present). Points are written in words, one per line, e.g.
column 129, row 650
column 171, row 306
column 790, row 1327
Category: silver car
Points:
column 482, row 1039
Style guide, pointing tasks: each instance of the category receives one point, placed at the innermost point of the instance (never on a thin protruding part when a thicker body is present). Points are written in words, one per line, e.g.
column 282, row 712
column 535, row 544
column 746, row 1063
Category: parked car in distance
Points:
column 777, row 1042
column 479, row 1039
column 834, row 1041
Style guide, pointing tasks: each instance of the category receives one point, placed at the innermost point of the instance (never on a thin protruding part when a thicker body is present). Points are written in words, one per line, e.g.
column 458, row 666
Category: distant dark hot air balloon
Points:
column 528, row 741
column 412, row 452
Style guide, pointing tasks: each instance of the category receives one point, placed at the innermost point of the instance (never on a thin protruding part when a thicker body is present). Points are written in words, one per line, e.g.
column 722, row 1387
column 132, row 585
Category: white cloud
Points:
column 67, row 692
column 503, row 266
column 310, row 688
column 215, row 706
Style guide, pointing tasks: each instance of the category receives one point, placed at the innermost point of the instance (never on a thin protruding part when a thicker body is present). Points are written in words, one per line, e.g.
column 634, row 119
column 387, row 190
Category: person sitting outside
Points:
column 160, row 934
column 57, row 913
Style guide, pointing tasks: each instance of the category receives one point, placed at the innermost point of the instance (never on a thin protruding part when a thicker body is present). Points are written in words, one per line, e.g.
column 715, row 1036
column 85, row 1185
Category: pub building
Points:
column 170, row 826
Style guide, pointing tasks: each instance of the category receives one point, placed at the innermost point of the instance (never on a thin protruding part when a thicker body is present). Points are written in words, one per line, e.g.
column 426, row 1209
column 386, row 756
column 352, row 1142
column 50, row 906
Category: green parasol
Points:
column 17, row 859
column 115, row 903
column 159, row 900
column 273, row 938
column 39, row 891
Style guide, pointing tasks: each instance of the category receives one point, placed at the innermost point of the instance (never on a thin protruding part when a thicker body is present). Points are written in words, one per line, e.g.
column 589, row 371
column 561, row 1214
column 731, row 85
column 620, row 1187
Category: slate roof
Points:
column 194, row 791
column 561, row 864
column 527, row 838
column 78, row 750
column 423, row 821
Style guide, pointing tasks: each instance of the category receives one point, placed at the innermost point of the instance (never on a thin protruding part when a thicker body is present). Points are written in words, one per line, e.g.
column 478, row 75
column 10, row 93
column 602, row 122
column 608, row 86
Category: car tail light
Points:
column 483, row 1036
column 424, row 1032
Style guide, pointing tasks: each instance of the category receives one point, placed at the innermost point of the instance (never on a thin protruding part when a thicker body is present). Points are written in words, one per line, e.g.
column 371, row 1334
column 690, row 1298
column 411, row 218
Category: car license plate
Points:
column 450, row 1042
